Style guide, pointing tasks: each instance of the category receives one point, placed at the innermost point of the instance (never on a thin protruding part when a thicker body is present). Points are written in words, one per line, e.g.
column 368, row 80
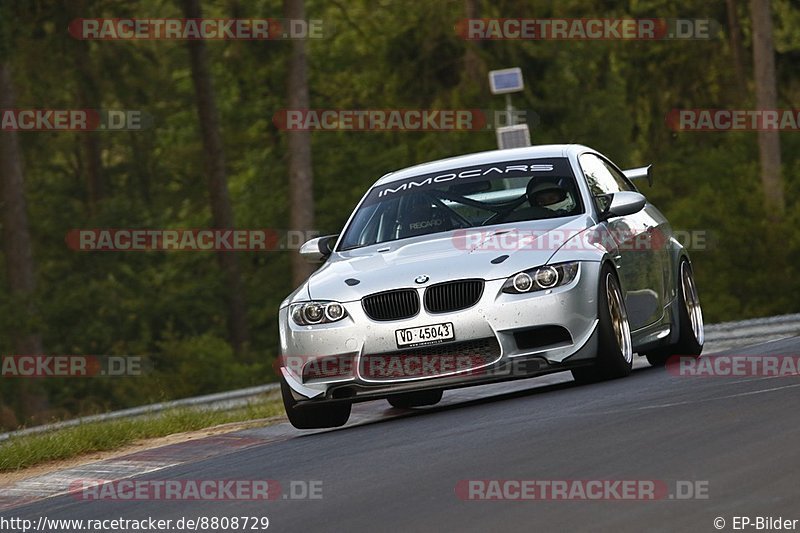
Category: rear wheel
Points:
column 615, row 348
column 314, row 416
column 415, row 399
column 690, row 321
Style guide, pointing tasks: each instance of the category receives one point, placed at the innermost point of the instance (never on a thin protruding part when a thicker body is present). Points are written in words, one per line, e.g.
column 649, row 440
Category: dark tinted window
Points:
column 602, row 178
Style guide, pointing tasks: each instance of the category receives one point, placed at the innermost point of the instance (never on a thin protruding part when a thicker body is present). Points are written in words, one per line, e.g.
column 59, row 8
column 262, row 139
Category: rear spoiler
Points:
column 639, row 173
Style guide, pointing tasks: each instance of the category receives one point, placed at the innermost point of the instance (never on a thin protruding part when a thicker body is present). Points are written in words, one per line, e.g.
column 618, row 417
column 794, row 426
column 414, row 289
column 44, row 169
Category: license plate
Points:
column 422, row 335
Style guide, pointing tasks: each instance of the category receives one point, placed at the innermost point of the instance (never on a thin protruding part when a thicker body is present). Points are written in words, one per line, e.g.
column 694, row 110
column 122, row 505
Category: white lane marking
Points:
column 762, row 378
column 701, row 400
column 60, row 482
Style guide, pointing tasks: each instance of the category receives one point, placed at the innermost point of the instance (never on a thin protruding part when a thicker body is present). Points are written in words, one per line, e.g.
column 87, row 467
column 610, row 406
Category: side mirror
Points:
column 640, row 173
column 317, row 250
column 624, row 203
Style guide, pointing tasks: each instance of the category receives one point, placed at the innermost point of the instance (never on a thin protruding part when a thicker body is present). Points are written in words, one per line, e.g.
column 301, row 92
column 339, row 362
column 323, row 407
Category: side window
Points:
column 622, row 182
column 602, row 179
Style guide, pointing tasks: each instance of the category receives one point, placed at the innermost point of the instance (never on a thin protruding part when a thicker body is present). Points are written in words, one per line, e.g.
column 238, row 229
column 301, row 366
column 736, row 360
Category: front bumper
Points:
column 506, row 318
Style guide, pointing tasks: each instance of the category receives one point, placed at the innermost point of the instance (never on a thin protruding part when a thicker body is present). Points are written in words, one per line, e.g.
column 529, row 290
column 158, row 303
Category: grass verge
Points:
column 29, row 450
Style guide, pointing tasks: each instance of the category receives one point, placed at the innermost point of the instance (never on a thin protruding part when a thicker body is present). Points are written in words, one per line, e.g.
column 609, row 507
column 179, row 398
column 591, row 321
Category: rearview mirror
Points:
column 624, row 203
column 318, row 249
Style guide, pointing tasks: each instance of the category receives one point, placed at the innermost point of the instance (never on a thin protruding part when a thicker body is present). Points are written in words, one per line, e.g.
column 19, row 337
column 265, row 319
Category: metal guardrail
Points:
column 218, row 401
column 723, row 333
column 757, row 327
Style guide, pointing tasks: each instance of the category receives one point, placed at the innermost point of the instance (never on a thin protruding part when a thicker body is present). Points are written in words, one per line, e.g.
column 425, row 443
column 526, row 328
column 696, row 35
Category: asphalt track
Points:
column 393, row 470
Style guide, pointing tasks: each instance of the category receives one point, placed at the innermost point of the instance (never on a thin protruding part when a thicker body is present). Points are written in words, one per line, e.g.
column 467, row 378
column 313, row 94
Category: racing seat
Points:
column 423, row 218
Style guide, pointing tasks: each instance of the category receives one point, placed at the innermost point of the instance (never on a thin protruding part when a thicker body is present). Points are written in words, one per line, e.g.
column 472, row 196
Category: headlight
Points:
column 310, row 313
column 541, row 278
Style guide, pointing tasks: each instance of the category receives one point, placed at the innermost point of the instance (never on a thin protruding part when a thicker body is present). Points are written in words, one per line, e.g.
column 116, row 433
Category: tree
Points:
column 88, row 97
column 474, row 68
column 221, row 210
column 301, row 177
column 737, row 48
column 769, row 148
column 17, row 248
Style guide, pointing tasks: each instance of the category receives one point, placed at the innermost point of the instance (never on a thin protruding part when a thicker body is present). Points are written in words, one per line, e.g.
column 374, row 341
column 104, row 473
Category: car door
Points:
column 640, row 253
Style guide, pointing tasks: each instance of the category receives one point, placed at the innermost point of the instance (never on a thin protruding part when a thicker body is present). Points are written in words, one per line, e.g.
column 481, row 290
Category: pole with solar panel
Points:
column 507, row 81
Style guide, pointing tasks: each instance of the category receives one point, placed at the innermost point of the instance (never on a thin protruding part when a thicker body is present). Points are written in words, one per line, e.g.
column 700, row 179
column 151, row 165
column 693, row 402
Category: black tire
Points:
column 658, row 357
column 688, row 343
column 611, row 360
column 408, row 400
column 324, row 415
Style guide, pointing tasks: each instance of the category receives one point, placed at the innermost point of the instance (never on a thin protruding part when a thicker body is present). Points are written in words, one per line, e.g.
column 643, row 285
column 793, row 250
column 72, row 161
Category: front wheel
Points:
column 615, row 348
column 690, row 321
column 314, row 416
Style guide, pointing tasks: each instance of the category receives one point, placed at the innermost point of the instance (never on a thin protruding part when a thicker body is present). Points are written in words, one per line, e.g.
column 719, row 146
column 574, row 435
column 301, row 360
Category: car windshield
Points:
column 493, row 193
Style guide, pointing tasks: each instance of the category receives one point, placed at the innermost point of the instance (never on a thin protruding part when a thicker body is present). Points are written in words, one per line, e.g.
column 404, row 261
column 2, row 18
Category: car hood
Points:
column 475, row 253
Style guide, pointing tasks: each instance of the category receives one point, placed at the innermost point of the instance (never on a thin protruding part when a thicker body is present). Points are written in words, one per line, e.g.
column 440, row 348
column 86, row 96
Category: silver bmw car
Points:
column 482, row 268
